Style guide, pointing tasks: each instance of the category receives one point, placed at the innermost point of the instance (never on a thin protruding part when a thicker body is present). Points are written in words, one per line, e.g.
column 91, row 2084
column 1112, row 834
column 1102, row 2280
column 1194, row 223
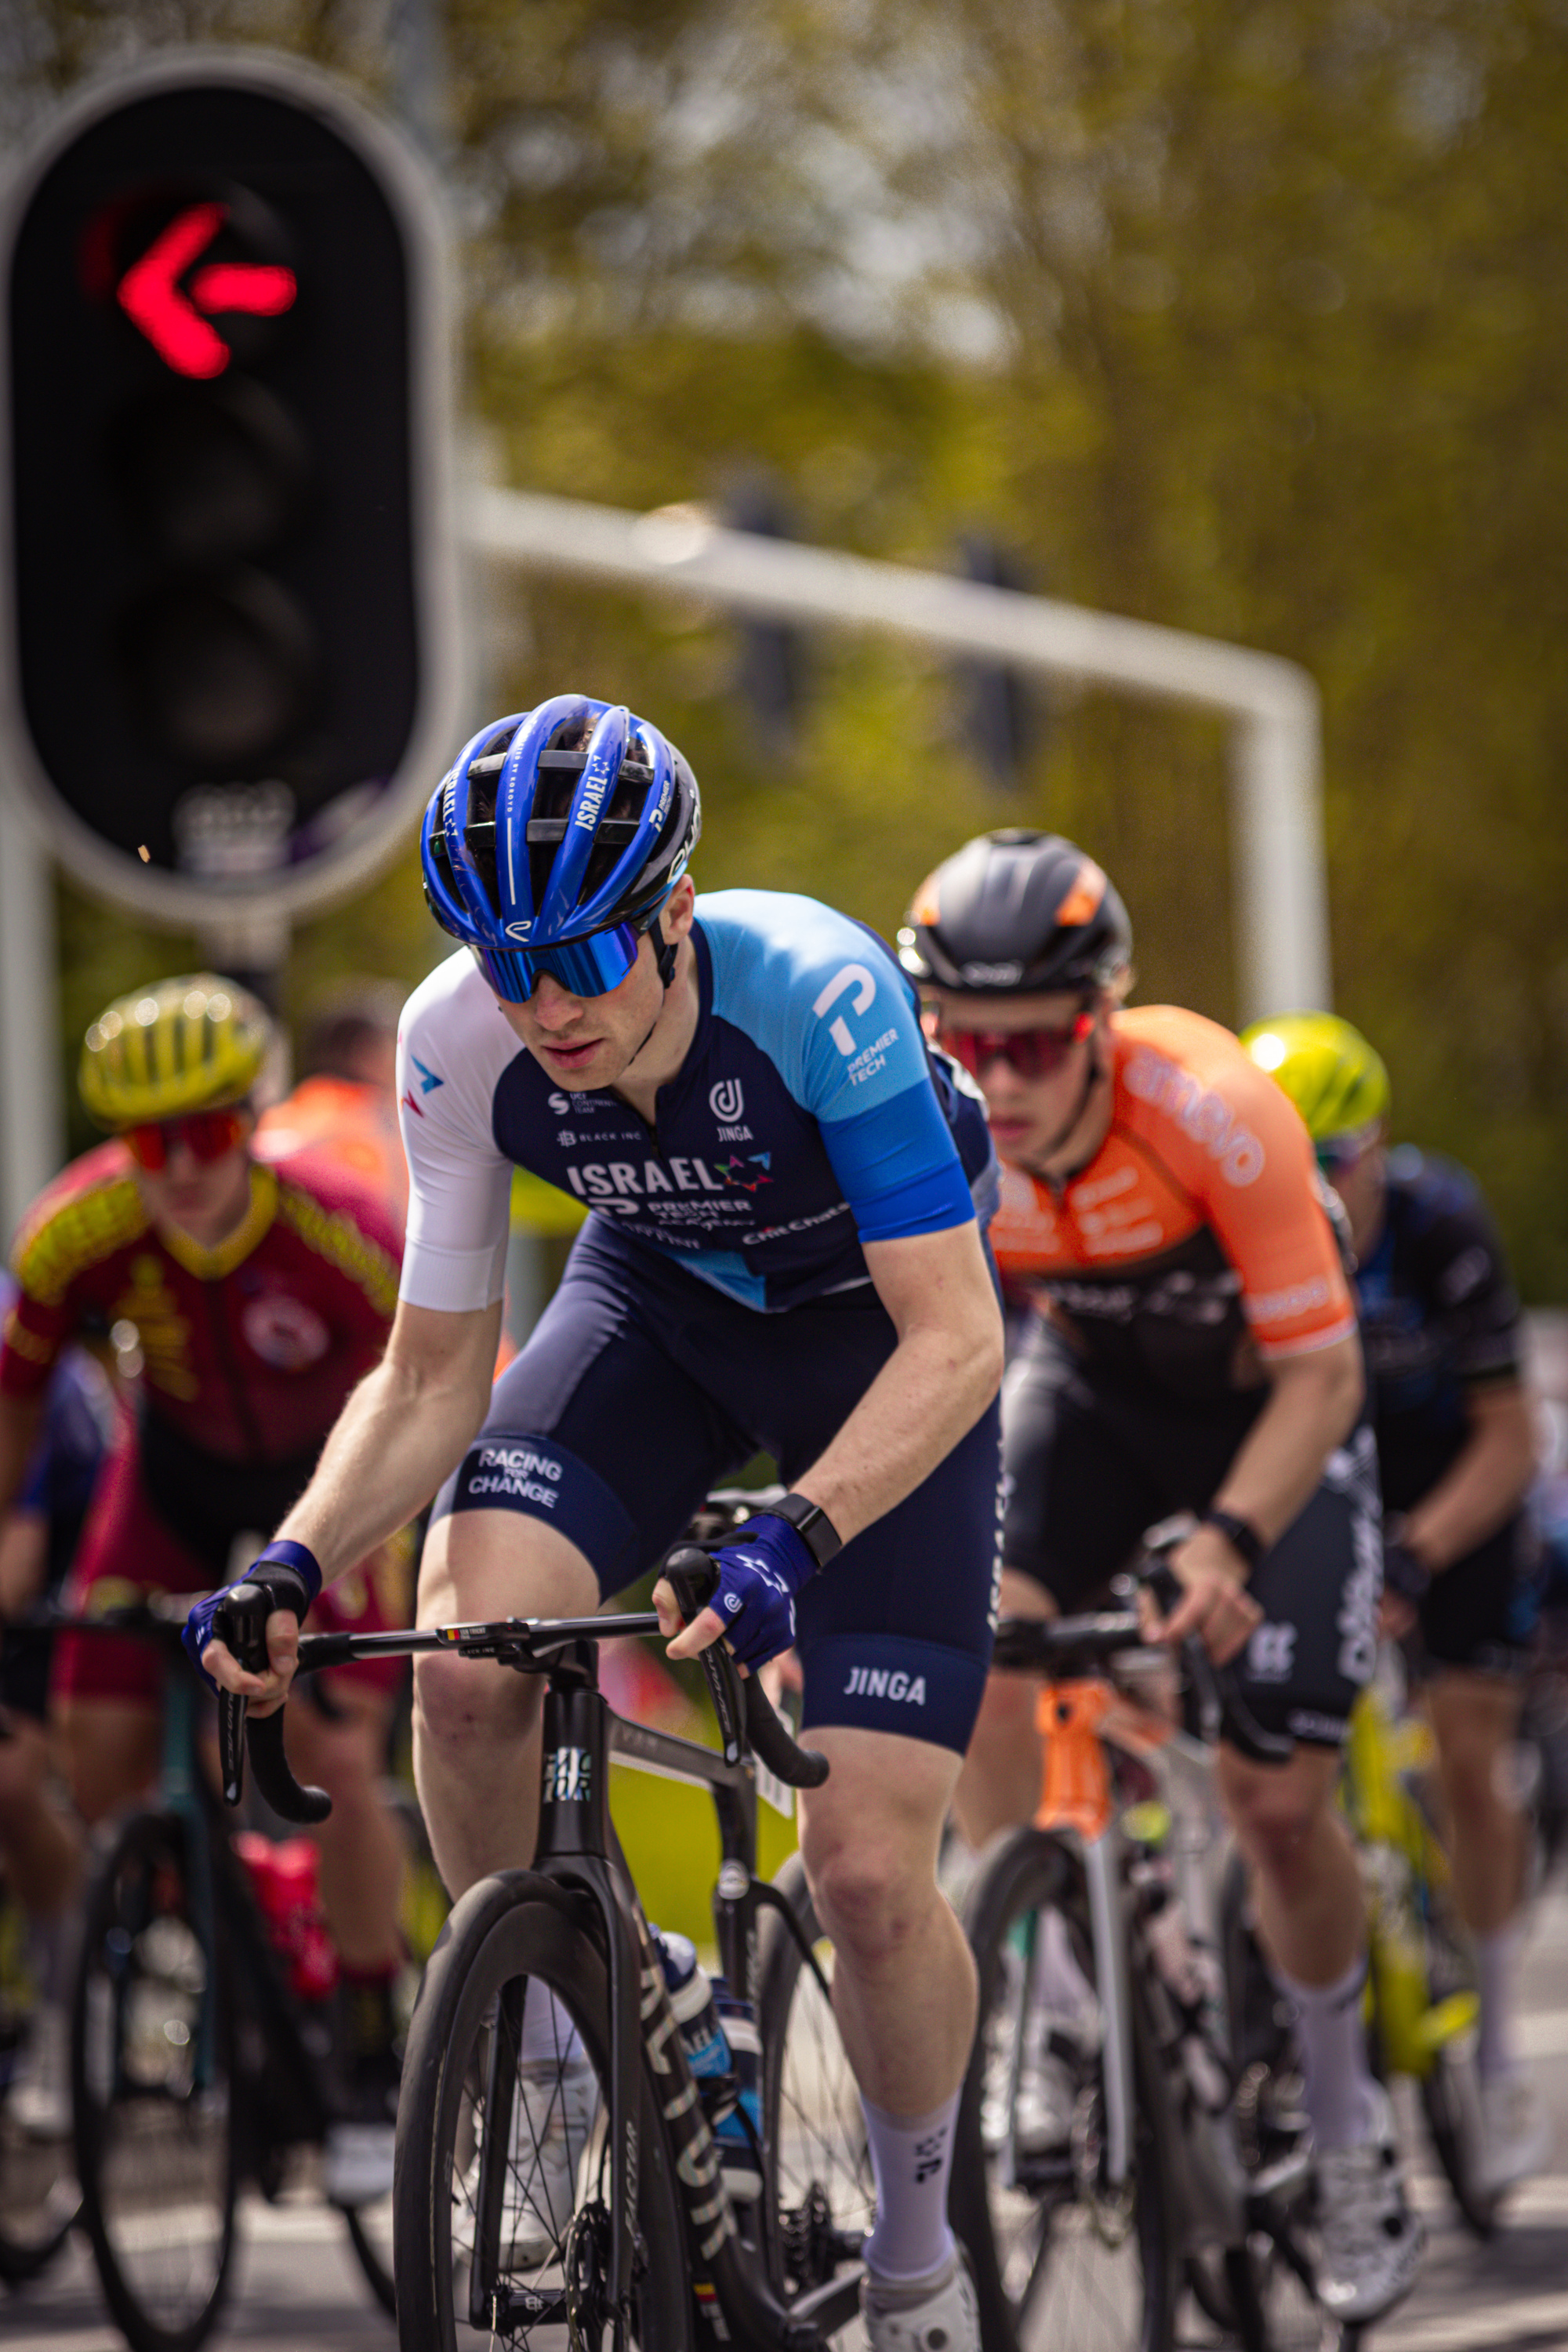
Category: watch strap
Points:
column 1239, row 1534
column 811, row 1522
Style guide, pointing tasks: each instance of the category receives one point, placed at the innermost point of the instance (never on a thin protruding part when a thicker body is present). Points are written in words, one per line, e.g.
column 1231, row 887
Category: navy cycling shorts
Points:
column 643, row 1386
column 1092, row 1464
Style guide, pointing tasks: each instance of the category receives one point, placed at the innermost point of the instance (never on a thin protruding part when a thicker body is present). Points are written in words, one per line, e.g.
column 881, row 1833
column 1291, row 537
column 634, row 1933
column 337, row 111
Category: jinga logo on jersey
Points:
column 855, row 976
column 568, row 1776
column 881, row 1682
column 727, row 1101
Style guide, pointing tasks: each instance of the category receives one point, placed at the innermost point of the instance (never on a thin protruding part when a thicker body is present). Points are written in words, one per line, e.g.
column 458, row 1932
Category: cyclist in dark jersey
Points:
column 242, row 1301
column 1457, row 1449
column 783, row 1251
column 40, row 1842
column 1194, row 1350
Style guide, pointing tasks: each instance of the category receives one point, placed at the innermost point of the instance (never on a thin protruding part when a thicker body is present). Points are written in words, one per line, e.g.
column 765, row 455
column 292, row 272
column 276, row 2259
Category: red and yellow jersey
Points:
column 247, row 1349
column 354, row 1126
column 1199, row 1223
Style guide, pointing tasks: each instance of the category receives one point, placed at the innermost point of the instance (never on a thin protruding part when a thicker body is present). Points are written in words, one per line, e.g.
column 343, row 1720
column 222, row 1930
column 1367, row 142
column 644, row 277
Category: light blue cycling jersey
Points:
column 809, row 1117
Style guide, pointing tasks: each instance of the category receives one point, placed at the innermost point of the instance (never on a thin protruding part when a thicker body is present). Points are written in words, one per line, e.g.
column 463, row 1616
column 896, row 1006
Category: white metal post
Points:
column 32, row 1115
column 1277, row 824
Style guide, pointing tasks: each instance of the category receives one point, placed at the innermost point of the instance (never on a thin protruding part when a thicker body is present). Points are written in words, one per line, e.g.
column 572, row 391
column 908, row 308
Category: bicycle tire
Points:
column 821, row 2196
column 1032, row 2244
column 39, row 2198
column 373, row 2239
column 506, row 1930
column 1450, row 2091
column 1256, row 2293
column 153, row 2091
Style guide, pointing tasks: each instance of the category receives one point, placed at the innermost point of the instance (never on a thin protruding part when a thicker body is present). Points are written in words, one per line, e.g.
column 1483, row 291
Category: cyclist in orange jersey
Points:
column 345, row 1106
column 1194, row 1348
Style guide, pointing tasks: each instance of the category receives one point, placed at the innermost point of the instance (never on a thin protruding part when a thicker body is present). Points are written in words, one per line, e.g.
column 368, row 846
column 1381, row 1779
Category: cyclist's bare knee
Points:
column 869, row 1836
column 480, row 1565
column 1276, row 1809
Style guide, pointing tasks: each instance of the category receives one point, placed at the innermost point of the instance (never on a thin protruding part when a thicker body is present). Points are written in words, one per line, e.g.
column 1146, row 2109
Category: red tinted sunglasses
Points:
column 205, row 1134
column 1029, row 1053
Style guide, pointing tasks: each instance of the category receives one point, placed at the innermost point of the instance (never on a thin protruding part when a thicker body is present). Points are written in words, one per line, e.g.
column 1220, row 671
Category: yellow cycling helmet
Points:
column 1336, row 1080
column 190, row 1044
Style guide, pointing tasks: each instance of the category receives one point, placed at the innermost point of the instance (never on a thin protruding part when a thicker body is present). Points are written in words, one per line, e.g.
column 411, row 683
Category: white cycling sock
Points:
column 1340, row 2096
column 1056, row 1983
column 911, row 2157
column 549, row 2036
column 1497, row 1966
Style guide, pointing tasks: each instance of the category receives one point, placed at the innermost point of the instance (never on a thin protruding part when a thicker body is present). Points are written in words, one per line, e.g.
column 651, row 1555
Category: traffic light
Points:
column 771, row 673
column 229, row 662
column 1000, row 721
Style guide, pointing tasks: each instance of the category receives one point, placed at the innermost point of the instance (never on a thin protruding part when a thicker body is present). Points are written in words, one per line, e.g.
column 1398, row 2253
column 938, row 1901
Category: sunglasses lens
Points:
column 209, row 1134
column 205, row 1134
column 508, row 971
column 589, row 967
column 1029, row 1053
column 145, row 1145
column 592, row 967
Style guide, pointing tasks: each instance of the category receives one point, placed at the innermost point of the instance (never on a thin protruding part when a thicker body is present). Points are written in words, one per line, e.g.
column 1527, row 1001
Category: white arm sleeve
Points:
column 452, row 1047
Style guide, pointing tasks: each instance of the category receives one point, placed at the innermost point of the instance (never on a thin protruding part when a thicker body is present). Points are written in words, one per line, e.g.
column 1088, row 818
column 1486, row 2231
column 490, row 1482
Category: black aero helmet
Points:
column 1016, row 913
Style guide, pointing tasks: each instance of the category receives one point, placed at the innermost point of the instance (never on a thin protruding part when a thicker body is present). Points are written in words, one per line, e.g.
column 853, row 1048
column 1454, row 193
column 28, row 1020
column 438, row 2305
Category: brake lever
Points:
column 1219, row 1710
column 241, row 1623
column 693, row 1578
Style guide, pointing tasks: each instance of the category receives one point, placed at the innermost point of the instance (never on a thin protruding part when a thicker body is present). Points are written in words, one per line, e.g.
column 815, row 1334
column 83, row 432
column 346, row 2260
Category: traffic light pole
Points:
column 1277, row 826
column 32, row 1115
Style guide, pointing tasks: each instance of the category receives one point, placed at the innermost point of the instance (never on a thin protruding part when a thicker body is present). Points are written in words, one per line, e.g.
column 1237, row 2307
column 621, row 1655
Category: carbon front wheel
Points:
column 508, row 2245
column 1060, row 2253
column 821, row 2194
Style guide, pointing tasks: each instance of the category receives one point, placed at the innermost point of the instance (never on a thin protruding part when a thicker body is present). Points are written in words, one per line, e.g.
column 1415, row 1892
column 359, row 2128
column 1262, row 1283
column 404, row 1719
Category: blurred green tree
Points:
column 1245, row 318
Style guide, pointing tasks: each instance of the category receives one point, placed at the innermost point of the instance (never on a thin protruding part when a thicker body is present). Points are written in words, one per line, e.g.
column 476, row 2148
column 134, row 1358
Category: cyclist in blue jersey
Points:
column 790, row 1189
column 1440, row 1323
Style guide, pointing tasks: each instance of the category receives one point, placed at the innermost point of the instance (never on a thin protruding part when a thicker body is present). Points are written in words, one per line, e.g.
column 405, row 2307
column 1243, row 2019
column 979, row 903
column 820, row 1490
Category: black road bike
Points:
column 194, row 2067
column 583, row 2188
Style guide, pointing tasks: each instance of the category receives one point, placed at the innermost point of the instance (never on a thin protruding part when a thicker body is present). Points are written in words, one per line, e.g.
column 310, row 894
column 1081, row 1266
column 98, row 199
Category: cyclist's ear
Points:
column 674, row 916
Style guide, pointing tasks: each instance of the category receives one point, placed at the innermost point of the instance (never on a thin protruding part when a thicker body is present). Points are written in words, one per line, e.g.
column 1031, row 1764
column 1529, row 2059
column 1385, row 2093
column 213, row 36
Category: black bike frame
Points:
column 577, row 1849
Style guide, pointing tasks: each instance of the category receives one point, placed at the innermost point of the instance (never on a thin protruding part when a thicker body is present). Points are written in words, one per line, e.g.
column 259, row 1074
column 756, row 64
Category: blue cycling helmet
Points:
column 553, row 842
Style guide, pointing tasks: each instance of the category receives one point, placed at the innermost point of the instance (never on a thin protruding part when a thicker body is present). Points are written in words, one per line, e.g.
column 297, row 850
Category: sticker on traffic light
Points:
column 229, row 576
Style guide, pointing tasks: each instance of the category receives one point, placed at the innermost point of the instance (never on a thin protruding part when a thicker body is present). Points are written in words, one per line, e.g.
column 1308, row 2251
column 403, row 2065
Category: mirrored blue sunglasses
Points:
column 587, row 967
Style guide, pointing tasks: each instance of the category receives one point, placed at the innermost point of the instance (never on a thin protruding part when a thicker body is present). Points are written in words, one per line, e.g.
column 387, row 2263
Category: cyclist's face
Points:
column 205, row 1199
column 586, row 1042
column 1025, row 1114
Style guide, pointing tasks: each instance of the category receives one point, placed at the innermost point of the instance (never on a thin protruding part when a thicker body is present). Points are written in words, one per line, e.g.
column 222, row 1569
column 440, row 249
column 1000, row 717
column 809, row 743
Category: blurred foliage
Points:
column 1245, row 316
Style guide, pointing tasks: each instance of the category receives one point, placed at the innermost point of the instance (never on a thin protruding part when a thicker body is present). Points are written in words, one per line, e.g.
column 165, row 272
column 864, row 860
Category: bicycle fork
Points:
column 575, row 1845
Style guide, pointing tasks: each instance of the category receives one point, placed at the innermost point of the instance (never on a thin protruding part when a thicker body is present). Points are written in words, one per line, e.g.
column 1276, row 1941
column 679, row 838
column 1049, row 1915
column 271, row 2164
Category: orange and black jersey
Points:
column 1198, row 1238
column 248, row 1349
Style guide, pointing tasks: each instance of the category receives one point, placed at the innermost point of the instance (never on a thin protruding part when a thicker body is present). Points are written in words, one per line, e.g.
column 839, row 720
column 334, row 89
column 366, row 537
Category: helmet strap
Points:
column 1091, row 1076
column 664, row 956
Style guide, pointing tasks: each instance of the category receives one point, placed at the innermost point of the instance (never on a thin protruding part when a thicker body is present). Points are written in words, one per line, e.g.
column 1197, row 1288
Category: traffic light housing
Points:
column 229, row 657
column 1001, row 710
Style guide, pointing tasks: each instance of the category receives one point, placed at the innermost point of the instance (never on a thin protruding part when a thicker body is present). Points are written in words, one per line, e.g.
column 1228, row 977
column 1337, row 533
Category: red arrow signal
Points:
column 153, row 298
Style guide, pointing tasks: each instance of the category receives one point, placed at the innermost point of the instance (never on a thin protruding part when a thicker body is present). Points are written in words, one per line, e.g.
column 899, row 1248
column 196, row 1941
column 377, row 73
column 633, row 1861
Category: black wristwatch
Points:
column 809, row 1519
column 1239, row 1534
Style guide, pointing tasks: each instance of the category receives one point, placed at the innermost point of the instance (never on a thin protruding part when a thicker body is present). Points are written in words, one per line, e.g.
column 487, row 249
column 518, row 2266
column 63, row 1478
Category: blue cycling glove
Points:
column 287, row 1572
column 761, row 1569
